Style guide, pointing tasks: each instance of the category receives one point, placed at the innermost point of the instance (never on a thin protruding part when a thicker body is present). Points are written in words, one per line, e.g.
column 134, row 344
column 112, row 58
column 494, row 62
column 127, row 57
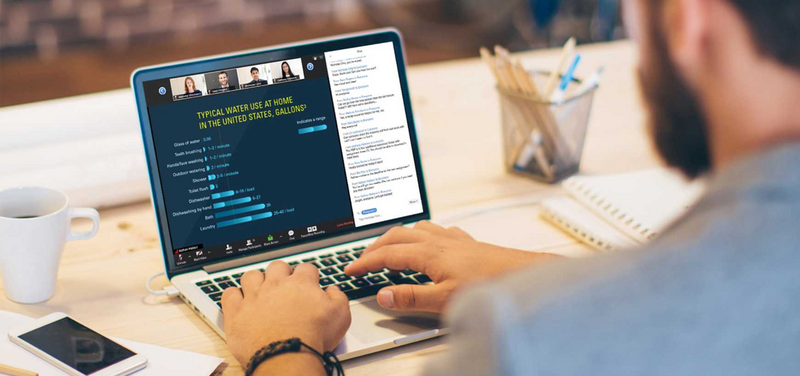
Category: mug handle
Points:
column 83, row 213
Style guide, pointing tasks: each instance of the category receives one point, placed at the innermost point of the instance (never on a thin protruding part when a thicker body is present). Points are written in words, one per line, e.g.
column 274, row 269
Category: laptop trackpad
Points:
column 372, row 323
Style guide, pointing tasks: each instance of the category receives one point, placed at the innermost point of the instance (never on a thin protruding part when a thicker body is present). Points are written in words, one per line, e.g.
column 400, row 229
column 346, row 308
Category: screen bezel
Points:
column 135, row 362
column 252, row 57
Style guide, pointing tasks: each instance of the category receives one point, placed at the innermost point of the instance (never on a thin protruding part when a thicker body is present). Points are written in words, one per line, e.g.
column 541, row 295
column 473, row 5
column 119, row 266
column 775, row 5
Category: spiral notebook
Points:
column 621, row 211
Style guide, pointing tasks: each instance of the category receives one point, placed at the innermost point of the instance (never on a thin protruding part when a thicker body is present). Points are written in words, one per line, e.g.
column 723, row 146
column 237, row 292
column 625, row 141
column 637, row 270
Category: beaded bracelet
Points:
column 329, row 359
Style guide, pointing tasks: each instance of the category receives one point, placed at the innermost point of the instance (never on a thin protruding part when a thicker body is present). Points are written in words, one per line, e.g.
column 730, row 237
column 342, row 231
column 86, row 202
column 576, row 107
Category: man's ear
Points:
column 687, row 27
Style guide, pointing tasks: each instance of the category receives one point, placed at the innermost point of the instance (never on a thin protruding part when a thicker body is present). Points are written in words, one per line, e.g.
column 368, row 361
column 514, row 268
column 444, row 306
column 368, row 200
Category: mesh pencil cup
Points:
column 543, row 139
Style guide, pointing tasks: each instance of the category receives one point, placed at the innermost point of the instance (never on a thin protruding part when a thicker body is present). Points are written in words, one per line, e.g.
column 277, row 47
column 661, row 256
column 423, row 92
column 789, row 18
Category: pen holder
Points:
column 543, row 139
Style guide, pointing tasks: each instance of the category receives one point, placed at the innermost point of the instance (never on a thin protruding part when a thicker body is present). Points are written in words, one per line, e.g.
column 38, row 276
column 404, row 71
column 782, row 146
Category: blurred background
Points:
column 56, row 48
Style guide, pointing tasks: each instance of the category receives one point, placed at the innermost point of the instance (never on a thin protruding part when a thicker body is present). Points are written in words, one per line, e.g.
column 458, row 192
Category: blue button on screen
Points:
column 369, row 211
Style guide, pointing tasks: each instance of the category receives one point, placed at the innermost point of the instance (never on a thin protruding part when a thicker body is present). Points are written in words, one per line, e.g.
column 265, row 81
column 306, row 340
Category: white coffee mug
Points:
column 34, row 225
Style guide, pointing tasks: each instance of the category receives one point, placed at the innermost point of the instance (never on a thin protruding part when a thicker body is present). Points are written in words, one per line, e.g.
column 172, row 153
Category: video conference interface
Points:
column 257, row 157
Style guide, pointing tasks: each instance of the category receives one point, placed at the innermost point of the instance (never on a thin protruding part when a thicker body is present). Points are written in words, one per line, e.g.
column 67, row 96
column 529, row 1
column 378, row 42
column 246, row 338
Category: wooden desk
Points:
column 101, row 280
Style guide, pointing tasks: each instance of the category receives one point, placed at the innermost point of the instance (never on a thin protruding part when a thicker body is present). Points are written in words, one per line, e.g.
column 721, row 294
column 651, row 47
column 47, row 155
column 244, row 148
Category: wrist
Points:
column 266, row 339
column 291, row 356
column 303, row 362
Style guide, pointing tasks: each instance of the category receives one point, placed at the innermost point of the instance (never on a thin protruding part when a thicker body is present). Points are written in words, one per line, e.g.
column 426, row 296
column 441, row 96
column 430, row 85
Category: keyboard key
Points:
column 225, row 285
column 316, row 264
column 344, row 286
column 409, row 272
column 328, row 262
column 358, row 254
column 210, row 289
column 343, row 252
column 359, row 283
column 405, row 281
column 342, row 266
column 219, row 304
column 366, row 291
column 221, row 279
column 325, row 281
column 309, row 259
column 262, row 270
column 380, row 272
column 344, row 258
column 393, row 276
column 238, row 282
column 329, row 271
column 294, row 263
column 422, row 278
column 216, row 296
column 203, row 283
column 376, row 279
column 238, row 275
column 327, row 255
column 342, row 277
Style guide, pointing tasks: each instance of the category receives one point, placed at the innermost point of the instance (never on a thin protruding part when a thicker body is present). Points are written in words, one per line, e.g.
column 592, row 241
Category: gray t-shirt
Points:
column 718, row 294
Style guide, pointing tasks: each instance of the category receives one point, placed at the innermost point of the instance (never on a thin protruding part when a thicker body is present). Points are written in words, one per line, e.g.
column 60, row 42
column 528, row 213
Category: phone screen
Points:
column 77, row 346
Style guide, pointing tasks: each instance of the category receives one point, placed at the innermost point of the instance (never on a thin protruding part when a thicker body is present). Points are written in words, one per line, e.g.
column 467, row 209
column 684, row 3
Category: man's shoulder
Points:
column 718, row 280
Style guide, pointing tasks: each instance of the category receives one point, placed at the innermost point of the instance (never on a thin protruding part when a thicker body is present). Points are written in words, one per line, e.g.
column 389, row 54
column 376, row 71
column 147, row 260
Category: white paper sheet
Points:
column 160, row 360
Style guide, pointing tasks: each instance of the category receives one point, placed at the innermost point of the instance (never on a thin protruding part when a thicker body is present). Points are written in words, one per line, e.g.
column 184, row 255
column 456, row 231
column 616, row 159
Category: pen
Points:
column 589, row 83
column 13, row 371
column 558, row 96
column 550, row 86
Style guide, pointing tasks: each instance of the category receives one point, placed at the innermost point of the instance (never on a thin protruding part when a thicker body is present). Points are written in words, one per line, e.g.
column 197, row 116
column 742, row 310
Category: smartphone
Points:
column 76, row 349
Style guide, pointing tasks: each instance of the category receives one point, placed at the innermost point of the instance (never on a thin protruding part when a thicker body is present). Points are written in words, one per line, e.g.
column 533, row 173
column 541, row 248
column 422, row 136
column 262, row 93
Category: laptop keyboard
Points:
column 331, row 273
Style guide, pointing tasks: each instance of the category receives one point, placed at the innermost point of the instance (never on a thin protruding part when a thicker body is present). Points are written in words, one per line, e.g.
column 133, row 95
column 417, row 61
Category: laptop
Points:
column 303, row 153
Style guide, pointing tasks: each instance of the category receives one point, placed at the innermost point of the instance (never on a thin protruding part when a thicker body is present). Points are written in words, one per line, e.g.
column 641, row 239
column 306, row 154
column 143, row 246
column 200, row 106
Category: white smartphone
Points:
column 76, row 349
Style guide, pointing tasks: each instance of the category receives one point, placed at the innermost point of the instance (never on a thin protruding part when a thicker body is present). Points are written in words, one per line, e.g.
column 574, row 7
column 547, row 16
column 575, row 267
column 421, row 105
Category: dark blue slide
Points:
column 257, row 176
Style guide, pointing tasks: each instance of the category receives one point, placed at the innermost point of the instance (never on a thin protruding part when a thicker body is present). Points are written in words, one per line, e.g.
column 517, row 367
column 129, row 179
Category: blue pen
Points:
column 558, row 96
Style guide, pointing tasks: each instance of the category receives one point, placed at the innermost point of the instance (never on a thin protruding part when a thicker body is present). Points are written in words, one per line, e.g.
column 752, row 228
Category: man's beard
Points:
column 676, row 121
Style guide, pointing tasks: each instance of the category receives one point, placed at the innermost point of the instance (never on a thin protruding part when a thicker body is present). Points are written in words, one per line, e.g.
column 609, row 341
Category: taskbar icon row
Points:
column 199, row 253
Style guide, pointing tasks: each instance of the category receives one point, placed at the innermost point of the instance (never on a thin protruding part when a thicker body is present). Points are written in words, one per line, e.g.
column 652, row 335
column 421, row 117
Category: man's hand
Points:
column 450, row 257
column 280, row 304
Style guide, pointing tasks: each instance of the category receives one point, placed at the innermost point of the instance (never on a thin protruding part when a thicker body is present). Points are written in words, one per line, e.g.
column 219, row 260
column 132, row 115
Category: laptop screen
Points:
column 256, row 157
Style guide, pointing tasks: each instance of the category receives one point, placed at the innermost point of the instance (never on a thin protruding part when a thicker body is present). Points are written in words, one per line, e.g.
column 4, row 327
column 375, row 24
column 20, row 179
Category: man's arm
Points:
column 279, row 304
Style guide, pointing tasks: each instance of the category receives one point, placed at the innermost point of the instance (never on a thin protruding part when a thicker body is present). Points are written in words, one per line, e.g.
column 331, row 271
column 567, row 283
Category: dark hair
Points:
column 223, row 72
column 253, row 69
column 775, row 25
column 283, row 73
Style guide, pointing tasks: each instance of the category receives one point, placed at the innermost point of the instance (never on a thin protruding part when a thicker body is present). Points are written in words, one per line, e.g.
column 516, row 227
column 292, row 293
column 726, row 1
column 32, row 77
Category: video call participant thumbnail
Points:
column 286, row 71
column 252, row 76
column 187, row 87
column 222, row 81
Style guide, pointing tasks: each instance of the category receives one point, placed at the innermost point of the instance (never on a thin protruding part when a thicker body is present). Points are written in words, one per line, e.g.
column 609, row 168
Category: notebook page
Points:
column 578, row 221
column 641, row 203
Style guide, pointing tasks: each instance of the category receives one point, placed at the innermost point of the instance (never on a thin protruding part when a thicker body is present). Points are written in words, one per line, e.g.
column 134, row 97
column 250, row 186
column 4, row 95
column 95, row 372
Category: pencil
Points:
column 13, row 371
column 511, row 152
column 566, row 52
column 532, row 119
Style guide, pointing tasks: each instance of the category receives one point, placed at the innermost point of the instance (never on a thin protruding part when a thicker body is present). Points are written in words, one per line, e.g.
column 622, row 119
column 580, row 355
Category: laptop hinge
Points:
column 225, row 265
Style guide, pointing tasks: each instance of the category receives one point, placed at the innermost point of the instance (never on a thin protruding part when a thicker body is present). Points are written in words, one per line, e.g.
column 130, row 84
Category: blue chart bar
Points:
column 233, row 222
column 317, row 128
column 237, row 221
column 237, row 201
column 239, row 211
column 215, row 196
column 261, row 215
